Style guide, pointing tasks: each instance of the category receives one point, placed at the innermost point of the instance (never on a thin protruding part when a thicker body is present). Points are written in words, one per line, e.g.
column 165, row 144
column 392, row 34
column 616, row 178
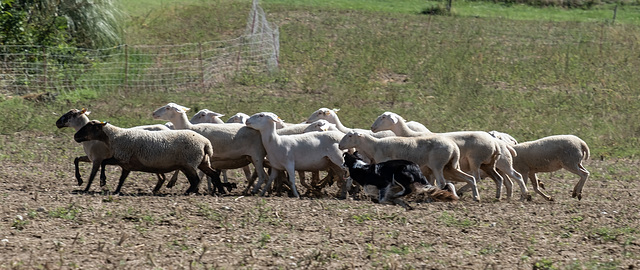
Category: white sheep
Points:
column 478, row 150
column 332, row 116
column 240, row 118
column 235, row 145
column 320, row 125
column 434, row 154
column 153, row 151
column 302, row 152
column 550, row 154
column 282, row 130
column 96, row 151
column 206, row 116
column 503, row 137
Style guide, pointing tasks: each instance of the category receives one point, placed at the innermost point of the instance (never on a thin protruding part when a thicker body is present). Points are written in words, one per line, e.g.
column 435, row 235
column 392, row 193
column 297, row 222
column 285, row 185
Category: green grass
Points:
column 486, row 9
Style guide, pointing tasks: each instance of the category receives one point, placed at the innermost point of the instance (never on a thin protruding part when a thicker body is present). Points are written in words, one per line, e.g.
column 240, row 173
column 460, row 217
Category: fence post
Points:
column 44, row 66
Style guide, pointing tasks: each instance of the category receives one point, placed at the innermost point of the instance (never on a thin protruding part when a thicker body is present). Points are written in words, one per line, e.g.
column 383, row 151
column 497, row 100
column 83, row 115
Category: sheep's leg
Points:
column 584, row 174
column 272, row 176
column 534, row 183
column 248, row 174
column 174, row 178
column 258, row 163
column 493, row 174
column 161, row 179
column 292, row 179
column 303, row 181
column 508, row 184
column 213, row 175
column 194, row 180
column 94, row 170
column 254, row 176
column 103, row 176
column 459, row 176
column 123, row 176
column 76, row 163
column 524, row 192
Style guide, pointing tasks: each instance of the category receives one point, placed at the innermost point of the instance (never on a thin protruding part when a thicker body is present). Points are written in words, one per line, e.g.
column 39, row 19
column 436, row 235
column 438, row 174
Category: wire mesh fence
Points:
column 35, row 69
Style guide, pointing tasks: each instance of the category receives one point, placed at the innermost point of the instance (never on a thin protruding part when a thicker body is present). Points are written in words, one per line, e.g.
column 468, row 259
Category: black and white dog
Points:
column 390, row 180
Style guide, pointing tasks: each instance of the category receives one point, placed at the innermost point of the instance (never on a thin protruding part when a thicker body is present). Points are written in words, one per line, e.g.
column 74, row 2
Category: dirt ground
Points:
column 46, row 224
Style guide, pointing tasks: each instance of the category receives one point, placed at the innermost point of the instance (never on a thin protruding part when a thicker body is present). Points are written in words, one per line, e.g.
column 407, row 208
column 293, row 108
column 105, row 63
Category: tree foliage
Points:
column 82, row 23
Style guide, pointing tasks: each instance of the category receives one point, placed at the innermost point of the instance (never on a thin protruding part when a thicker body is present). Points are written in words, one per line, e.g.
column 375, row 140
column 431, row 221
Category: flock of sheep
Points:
column 392, row 159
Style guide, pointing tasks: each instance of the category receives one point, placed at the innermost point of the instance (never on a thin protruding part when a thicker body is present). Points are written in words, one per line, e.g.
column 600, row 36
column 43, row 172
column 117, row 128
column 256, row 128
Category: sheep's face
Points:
column 91, row 131
column 206, row 116
column 350, row 140
column 323, row 114
column 320, row 125
column 167, row 112
column 72, row 115
column 263, row 120
column 238, row 118
column 385, row 122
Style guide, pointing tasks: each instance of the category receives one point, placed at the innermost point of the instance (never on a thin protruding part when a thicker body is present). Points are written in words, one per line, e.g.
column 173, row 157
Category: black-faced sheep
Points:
column 154, row 151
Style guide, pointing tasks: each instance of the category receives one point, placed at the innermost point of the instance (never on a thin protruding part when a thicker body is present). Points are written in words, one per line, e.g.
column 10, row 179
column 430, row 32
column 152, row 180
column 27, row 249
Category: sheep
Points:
column 154, row 151
column 96, row 151
column 434, row 154
column 282, row 130
column 307, row 152
column 207, row 116
column 392, row 179
column 240, row 118
column 478, row 150
column 332, row 117
column 550, row 154
column 321, row 125
column 236, row 145
column 503, row 137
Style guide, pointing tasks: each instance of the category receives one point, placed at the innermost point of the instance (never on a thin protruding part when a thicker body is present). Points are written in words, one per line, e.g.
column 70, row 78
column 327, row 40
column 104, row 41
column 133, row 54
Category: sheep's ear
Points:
column 335, row 110
column 84, row 110
column 394, row 118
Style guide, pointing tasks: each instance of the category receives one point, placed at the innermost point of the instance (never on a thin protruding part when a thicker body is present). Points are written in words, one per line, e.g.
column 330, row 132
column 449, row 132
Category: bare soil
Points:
column 45, row 223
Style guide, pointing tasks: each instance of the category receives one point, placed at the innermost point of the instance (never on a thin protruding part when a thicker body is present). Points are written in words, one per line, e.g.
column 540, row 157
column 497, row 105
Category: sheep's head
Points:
column 206, row 116
column 504, row 137
column 91, row 131
column 320, row 125
column 72, row 115
column 168, row 111
column 323, row 113
column 238, row 118
column 263, row 120
column 350, row 140
column 386, row 121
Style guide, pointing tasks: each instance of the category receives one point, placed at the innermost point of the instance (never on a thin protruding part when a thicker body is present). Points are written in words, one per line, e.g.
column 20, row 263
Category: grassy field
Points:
column 525, row 71
column 530, row 78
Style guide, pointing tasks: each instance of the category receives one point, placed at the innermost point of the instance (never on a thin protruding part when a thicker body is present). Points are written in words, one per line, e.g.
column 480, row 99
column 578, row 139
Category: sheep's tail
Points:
column 585, row 150
column 208, row 150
